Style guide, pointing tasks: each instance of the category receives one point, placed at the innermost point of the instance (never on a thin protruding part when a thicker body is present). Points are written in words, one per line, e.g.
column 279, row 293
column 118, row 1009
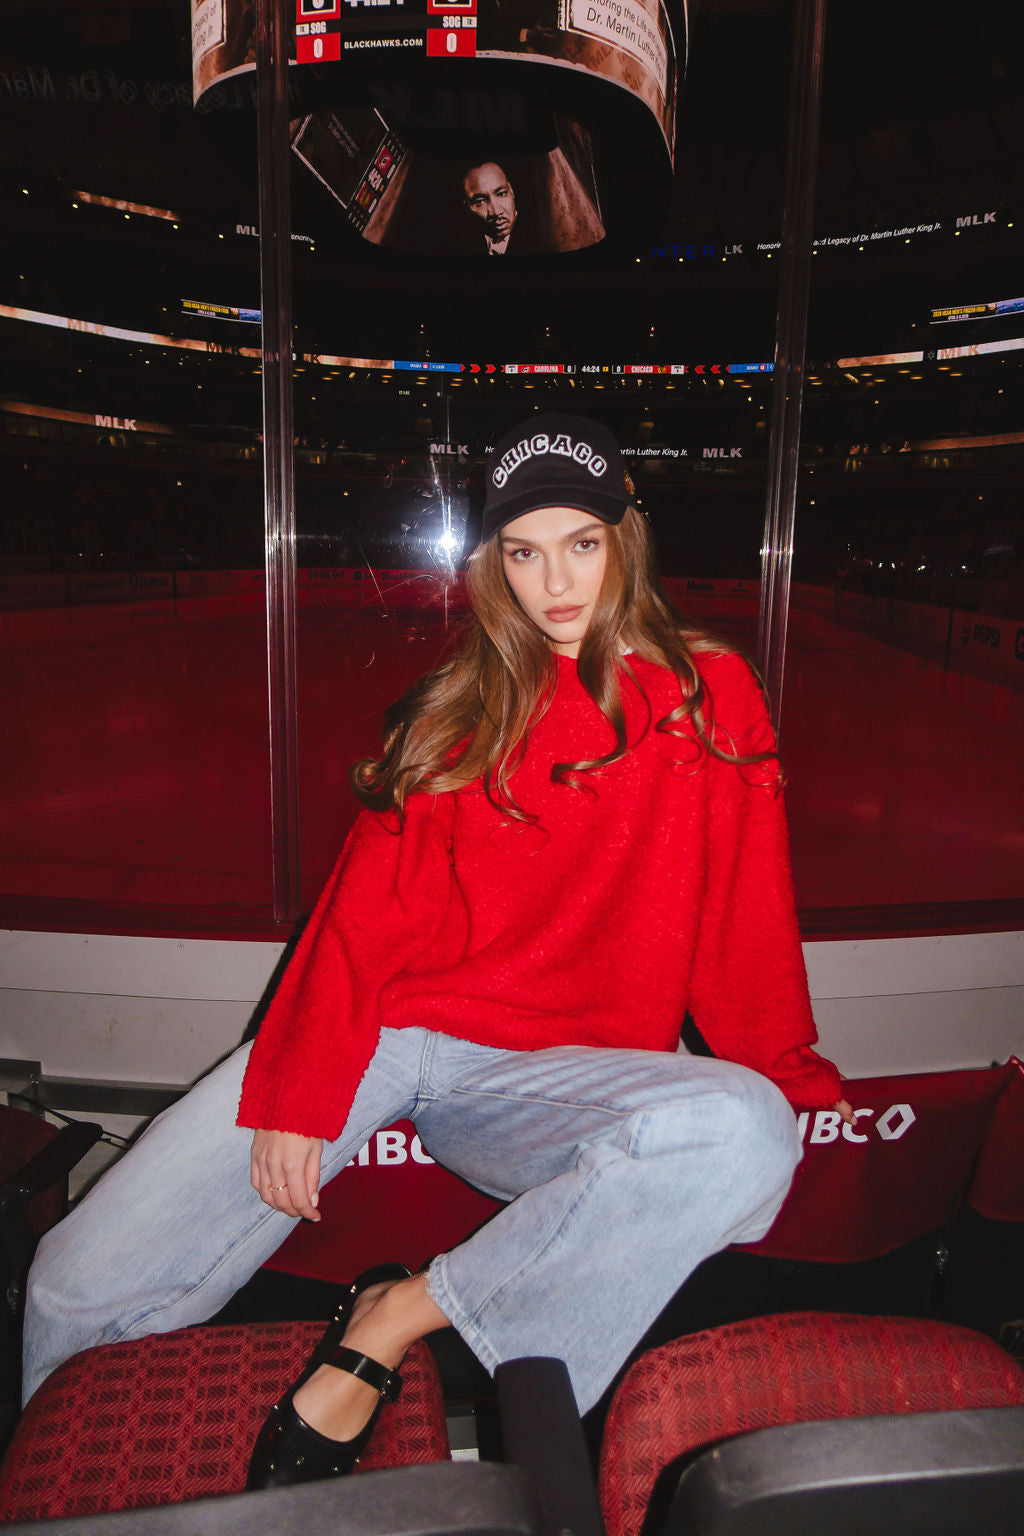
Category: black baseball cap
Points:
column 555, row 461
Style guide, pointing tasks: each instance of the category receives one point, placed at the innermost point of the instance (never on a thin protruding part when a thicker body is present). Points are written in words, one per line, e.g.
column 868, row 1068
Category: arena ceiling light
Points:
column 122, row 205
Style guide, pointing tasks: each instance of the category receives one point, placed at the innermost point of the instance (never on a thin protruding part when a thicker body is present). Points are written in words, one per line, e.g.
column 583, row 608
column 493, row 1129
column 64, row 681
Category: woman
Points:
column 572, row 837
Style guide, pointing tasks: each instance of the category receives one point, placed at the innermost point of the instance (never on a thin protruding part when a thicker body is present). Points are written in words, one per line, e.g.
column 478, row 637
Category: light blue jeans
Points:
column 624, row 1168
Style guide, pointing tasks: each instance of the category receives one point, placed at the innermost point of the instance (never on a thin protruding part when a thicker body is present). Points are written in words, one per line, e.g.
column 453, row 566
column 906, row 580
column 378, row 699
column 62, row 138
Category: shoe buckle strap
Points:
column 387, row 1382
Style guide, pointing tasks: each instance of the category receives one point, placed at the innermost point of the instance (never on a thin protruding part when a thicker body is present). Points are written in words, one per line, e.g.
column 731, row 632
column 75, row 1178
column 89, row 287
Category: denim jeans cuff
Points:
column 441, row 1294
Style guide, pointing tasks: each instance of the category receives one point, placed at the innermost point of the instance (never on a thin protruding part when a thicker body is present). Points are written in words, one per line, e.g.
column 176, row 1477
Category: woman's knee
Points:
column 762, row 1127
column 743, row 1122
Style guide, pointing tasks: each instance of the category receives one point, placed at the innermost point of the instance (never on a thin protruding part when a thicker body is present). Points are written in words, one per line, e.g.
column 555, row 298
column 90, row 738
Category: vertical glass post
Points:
column 790, row 344
column 272, row 34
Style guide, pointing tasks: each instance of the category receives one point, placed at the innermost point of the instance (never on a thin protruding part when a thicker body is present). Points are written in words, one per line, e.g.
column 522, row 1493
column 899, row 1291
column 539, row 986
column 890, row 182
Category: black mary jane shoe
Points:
column 287, row 1449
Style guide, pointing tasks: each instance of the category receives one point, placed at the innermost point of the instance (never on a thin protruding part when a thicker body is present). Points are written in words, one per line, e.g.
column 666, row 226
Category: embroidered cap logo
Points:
column 540, row 444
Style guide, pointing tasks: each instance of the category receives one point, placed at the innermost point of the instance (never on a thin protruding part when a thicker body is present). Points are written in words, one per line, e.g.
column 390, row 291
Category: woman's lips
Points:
column 562, row 615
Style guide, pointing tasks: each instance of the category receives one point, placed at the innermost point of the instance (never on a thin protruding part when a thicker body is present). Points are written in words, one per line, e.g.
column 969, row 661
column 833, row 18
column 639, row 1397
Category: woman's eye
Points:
column 586, row 545
column 520, row 555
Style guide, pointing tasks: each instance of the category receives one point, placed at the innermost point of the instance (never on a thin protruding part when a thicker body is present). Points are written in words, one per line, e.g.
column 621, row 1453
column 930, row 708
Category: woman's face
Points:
column 554, row 561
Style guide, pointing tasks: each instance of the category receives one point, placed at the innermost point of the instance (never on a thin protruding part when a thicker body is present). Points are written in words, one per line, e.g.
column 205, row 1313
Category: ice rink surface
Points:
column 136, row 770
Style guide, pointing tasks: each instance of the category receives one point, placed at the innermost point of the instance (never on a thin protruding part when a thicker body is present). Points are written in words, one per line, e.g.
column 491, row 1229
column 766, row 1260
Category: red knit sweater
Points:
column 663, row 885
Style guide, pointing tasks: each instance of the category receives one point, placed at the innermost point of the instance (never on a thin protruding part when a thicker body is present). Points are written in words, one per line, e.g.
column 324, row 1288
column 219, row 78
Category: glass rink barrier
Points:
column 846, row 509
column 160, row 676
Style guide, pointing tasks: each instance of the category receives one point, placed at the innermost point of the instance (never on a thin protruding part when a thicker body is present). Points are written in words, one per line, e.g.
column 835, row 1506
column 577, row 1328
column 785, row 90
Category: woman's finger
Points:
column 295, row 1200
column 285, row 1171
column 313, row 1176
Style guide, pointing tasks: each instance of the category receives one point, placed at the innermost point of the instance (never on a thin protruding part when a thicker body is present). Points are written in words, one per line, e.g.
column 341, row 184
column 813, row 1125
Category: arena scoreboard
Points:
column 325, row 29
column 317, row 31
column 451, row 29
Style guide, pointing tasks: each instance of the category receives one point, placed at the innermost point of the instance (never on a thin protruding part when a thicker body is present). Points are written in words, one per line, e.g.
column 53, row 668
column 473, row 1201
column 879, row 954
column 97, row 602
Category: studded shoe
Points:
column 287, row 1449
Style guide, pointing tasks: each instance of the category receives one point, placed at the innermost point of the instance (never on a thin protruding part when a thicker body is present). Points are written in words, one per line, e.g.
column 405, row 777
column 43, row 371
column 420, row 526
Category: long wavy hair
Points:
column 470, row 719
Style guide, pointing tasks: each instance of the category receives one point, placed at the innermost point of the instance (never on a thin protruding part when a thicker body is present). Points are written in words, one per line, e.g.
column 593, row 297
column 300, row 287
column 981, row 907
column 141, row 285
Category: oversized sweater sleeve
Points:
column 749, row 993
column 385, row 902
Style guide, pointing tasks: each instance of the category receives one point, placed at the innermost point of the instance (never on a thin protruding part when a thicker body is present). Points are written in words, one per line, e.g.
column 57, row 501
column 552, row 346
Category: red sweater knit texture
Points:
column 660, row 886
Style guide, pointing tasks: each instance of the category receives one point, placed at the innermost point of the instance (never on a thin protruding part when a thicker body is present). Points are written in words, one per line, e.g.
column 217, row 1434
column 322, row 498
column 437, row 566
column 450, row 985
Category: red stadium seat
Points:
column 783, row 1370
column 863, row 1190
column 868, row 1225
column 860, row 1192
column 35, row 1160
column 391, row 1199
column 22, row 1135
column 173, row 1417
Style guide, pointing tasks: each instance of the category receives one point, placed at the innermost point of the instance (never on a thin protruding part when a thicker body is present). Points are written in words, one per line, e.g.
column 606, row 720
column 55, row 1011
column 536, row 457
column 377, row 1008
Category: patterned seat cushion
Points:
column 174, row 1417
column 784, row 1370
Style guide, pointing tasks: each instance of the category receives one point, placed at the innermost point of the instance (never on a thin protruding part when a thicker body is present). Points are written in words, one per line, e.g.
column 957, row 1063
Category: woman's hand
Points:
column 285, row 1172
column 846, row 1110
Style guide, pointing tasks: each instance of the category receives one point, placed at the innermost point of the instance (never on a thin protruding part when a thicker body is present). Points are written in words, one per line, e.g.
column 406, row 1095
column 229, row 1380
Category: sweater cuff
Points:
column 810, row 1082
column 279, row 1102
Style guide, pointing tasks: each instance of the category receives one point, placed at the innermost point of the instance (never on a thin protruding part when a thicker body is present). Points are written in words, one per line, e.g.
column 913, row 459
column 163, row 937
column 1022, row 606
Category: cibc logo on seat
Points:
column 392, row 1148
column 827, row 1124
column 389, row 1149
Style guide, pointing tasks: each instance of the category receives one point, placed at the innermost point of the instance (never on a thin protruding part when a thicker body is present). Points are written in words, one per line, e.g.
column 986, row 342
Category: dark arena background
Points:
column 217, row 570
